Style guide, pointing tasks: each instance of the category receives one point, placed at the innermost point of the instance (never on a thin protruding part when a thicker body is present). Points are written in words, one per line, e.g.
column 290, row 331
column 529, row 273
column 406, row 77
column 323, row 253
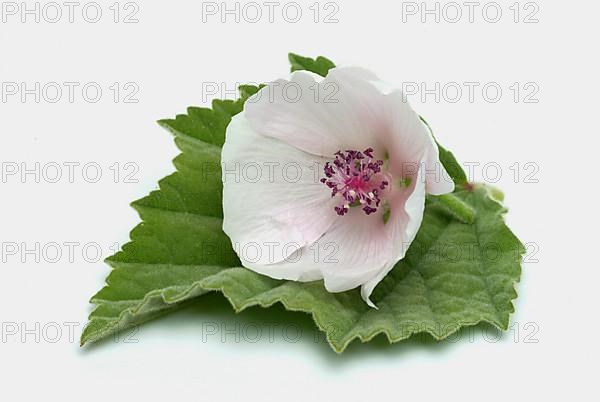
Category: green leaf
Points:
column 180, row 240
column 320, row 65
column 454, row 274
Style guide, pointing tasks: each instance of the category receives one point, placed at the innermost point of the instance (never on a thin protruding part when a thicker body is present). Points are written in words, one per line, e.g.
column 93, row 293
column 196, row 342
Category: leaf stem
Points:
column 457, row 208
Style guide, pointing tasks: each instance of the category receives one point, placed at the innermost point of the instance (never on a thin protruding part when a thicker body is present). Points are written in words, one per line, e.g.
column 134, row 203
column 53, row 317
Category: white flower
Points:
column 325, row 178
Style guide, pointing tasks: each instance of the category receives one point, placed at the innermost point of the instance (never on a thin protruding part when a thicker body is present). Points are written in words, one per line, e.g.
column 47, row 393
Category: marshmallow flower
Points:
column 325, row 178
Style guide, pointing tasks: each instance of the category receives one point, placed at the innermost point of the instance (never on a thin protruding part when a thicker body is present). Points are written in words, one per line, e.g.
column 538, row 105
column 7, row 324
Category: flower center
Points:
column 356, row 178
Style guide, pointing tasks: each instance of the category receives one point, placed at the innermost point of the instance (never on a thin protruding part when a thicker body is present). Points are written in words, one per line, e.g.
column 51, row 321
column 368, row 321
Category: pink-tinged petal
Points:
column 319, row 116
column 348, row 109
column 353, row 250
column 410, row 144
column 406, row 139
column 440, row 181
column 273, row 202
column 406, row 214
column 358, row 249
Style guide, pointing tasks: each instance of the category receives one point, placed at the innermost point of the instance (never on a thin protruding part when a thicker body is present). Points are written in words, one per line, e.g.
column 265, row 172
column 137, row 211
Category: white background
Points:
column 171, row 54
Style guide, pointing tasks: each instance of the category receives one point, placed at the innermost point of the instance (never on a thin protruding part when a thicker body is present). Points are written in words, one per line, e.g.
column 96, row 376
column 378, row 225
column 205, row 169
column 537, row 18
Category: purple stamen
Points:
column 357, row 178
